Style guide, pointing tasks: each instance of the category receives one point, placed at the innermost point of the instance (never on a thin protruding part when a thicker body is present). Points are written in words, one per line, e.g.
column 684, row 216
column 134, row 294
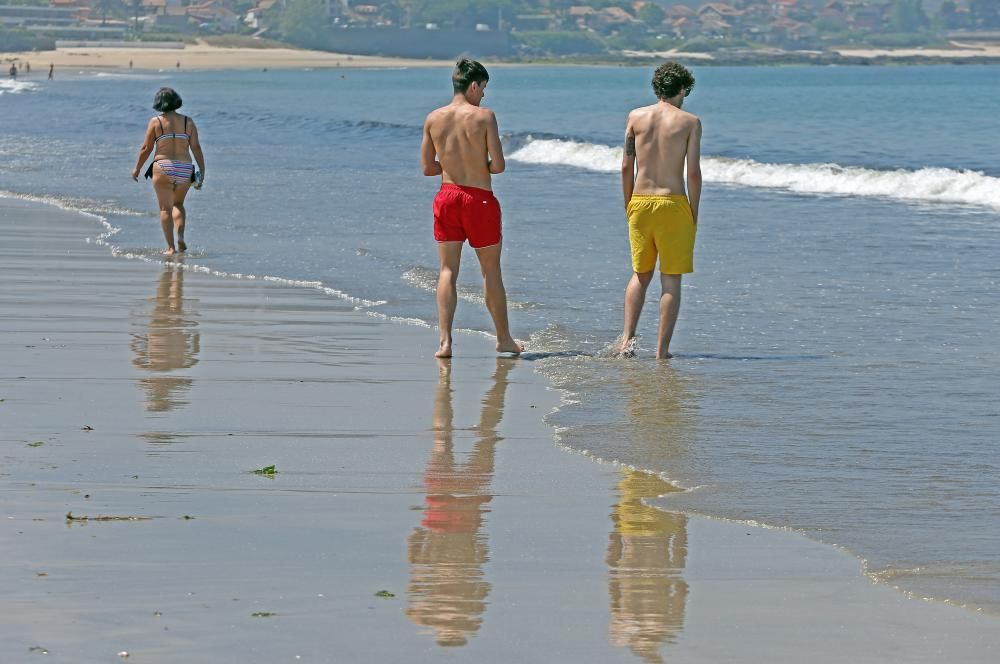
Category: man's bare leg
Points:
column 496, row 298
column 450, row 256
column 670, row 306
column 635, row 297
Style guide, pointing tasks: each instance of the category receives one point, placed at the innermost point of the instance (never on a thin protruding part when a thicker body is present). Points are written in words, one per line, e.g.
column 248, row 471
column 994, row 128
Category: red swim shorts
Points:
column 467, row 213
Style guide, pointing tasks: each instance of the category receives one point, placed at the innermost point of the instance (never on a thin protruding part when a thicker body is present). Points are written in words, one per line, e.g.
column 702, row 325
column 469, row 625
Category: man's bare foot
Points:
column 663, row 356
column 444, row 350
column 181, row 246
column 628, row 347
column 170, row 251
column 510, row 346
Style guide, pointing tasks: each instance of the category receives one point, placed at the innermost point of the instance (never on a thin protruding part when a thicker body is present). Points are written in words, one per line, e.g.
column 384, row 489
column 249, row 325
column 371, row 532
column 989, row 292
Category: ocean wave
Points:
column 926, row 185
column 17, row 87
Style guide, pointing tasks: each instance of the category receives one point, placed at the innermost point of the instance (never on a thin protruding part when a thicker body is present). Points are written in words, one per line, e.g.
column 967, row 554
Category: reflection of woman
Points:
column 646, row 554
column 171, row 341
column 447, row 552
column 173, row 137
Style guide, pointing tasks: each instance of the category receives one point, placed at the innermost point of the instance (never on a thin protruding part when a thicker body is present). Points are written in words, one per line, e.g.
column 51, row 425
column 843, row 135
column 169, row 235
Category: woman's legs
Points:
column 164, row 188
column 180, row 214
column 173, row 216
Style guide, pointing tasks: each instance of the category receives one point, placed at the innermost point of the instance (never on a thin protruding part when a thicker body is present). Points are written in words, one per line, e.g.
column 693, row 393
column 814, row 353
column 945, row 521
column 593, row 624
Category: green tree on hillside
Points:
column 652, row 15
column 460, row 13
column 105, row 8
column 303, row 23
column 908, row 16
column 136, row 8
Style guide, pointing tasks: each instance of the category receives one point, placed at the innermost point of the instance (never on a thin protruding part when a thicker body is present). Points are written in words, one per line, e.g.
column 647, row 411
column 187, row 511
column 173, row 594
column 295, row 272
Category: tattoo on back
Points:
column 630, row 146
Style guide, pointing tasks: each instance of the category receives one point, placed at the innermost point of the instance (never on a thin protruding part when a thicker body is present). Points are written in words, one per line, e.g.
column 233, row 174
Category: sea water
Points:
column 837, row 360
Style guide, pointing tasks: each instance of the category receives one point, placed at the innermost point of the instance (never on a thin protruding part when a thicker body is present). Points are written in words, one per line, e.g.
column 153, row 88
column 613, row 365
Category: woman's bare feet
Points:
column 181, row 246
column 510, row 345
column 170, row 251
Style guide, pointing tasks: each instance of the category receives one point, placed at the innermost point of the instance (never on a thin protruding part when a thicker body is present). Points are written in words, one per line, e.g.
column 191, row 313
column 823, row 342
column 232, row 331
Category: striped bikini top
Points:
column 163, row 134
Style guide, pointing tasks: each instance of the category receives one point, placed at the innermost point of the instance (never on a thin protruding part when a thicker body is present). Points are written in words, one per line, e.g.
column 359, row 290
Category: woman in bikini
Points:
column 174, row 138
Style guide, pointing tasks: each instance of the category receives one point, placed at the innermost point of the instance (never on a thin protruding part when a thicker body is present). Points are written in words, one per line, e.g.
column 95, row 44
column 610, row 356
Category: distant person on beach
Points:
column 173, row 137
column 13, row 71
column 52, row 71
column 130, row 65
column 27, row 68
column 461, row 143
column 662, row 219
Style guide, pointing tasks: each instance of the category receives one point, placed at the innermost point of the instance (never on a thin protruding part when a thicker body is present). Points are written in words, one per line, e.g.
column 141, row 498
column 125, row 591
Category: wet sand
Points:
column 133, row 389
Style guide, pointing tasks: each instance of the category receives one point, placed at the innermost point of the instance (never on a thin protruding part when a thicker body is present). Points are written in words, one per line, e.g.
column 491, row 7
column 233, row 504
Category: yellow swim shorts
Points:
column 661, row 226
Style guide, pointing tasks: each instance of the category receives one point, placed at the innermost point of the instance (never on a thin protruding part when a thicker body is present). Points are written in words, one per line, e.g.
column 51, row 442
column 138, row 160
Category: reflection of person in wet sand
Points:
column 646, row 554
column 171, row 341
column 447, row 589
column 648, row 547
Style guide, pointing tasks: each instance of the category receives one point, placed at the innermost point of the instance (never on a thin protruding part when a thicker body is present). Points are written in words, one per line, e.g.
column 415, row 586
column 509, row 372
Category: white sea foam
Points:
column 17, row 87
column 926, row 185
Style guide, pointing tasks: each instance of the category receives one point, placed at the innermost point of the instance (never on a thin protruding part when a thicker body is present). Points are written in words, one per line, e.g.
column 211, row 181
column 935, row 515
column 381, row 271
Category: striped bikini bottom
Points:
column 179, row 172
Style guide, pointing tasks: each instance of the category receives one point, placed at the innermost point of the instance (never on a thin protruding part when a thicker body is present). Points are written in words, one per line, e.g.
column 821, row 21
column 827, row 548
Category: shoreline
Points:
column 444, row 488
column 206, row 57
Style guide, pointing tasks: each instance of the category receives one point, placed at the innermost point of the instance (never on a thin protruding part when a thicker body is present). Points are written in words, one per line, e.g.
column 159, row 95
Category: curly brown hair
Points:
column 670, row 79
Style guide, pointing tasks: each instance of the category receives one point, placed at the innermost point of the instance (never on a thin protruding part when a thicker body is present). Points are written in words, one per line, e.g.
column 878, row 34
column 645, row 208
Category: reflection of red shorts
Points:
column 467, row 213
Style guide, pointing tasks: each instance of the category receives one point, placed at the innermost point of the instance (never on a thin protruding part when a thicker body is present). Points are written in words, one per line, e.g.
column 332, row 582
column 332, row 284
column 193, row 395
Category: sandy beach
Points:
column 419, row 509
column 959, row 50
column 204, row 56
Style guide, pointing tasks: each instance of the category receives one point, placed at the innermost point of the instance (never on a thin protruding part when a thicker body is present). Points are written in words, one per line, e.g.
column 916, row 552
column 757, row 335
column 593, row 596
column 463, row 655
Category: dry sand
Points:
column 960, row 50
column 203, row 56
column 133, row 388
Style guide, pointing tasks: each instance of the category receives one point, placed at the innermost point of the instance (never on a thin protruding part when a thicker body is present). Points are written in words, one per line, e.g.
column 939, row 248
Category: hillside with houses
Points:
column 512, row 28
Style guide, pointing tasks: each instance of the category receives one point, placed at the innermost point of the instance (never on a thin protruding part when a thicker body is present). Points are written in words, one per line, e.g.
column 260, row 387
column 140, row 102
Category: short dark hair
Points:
column 670, row 79
column 167, row 100
column 466, row 73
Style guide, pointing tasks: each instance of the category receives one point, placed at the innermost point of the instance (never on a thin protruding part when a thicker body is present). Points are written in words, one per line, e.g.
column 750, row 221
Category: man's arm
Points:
column 694, row 168
column 428, row 154
column 493, row 146
column 628, row 163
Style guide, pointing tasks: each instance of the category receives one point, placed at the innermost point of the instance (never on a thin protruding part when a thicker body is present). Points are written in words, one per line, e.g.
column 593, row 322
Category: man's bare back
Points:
column 462, row 144
column 662, row 137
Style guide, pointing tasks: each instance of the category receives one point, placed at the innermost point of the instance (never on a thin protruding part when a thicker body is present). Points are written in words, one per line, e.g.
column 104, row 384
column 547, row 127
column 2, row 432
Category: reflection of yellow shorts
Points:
column 664, row 226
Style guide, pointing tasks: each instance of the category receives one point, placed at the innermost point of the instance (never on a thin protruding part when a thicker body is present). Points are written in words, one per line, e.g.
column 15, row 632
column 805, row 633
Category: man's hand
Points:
column 135, row 174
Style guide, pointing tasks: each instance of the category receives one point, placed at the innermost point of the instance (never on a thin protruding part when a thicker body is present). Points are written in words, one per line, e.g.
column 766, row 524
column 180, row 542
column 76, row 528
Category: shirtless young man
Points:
column 662, row 220
column 462, row 144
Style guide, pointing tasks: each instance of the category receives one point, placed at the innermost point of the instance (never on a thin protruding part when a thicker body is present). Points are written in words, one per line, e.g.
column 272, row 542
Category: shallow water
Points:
column 836, row 357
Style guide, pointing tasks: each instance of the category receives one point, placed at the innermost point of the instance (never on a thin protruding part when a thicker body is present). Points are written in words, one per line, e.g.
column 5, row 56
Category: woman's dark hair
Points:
column 466, row 73
column 167, row 100
column 670, row 79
